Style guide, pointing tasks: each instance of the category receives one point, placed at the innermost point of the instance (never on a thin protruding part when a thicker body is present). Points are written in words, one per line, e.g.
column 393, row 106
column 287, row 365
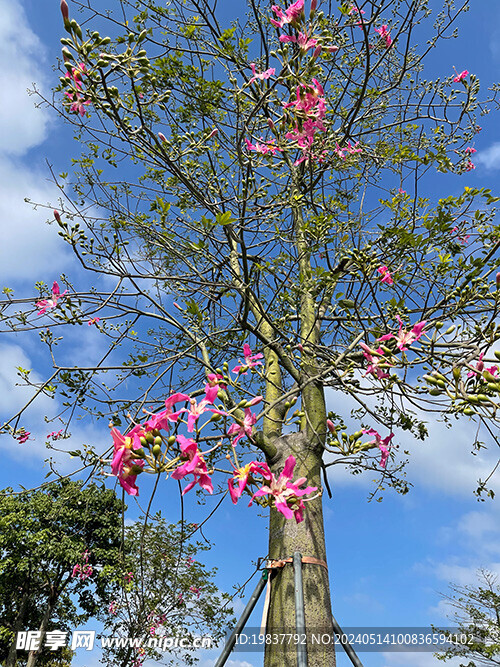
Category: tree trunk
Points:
column 18, row 626
column 307, row 537
column 33, row 655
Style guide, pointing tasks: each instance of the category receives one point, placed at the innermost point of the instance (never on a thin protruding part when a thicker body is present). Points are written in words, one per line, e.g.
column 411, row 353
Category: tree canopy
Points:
column 265, row 184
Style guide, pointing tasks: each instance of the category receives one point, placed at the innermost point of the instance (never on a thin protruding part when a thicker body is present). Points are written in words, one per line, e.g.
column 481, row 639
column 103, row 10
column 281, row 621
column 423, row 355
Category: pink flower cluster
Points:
column 289, row 16
column 130, row 457
column 78, row 103
column 83, row 570
column 48, row 304
column 22, row 436
column 56, row 435
column 385, row 34
column 309, row 107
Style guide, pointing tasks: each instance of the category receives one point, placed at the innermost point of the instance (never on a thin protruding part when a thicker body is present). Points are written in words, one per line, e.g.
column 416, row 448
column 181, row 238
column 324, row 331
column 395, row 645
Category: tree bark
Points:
column 33, row 655
column 307, row 537
column 18, row 626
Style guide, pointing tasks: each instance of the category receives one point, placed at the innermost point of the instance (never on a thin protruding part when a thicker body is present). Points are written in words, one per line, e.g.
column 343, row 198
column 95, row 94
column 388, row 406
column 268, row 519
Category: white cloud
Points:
column 490, row 157
column 21, row 51
column 30, row 248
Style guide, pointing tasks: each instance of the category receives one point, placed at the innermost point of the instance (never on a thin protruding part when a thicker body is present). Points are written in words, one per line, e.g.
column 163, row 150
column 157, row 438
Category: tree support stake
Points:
column 243, row 619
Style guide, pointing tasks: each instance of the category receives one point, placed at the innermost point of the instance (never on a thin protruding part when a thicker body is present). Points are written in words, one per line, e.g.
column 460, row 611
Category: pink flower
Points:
column 214, row 385
column 354, row 11
column 125, row 465
column 261, row 76
column 374, row 361
column 469, row 150
column 469, row 165
column 309, row 100
column 128, row 577
column 46, row 304
column 384, row 33
column 383, row 445
column 76, row 74
column 386, row 275
column 250, row 359
column 291, row 15
column 303, row 40
column 460, row 77
column 243, row 429
column 479, row 366
column 287, row 495
column 78, row 104
column 462, row 238
column 263, row 148
column 242, row 475
column 93, row 320
column 160, row 420
column 113, row 607
column 195, row 465
column 195, row 590
column 404, row 337
column 349, row 149
column 197, row 409
column 83, row 571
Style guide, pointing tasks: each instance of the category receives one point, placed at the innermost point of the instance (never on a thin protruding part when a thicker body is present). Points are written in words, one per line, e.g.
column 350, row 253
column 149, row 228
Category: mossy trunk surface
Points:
column 307, row 537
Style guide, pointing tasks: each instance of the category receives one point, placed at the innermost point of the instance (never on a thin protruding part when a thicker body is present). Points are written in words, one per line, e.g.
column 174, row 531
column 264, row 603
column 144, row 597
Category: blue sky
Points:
column 388, row 561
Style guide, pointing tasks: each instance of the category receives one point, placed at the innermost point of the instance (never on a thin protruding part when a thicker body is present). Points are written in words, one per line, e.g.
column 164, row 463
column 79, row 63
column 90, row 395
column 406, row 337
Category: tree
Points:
column 273, row 190
column 477, row 614
column 55, row 546
column 166, row 594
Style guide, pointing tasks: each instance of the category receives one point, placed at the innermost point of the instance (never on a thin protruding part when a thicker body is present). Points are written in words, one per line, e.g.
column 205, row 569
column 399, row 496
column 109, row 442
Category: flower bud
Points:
column 331, row 426
column 317, row 51
column 57, row 216
column 314, row 4
column 65, row 11
column 497, row 279
column 213, row 133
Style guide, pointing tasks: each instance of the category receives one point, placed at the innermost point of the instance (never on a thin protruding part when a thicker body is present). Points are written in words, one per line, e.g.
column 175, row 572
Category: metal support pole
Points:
column 300, row 619
column 345, row 644
column 243, row 619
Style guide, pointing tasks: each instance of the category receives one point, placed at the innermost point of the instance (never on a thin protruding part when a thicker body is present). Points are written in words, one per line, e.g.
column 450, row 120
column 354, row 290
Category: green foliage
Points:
column 43, row 535
column 166, row 588
column 476, row 610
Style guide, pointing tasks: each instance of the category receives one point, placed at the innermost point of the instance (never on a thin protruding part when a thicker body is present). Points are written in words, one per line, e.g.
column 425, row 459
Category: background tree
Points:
column 166, row 592
column 273, row 184
column 56, row 545
column 476, row 611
